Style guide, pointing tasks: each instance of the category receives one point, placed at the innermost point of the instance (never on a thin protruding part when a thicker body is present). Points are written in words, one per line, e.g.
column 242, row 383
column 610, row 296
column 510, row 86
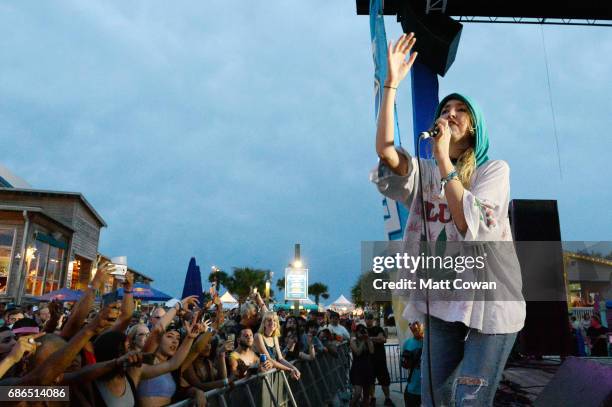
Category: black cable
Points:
column 425, row 238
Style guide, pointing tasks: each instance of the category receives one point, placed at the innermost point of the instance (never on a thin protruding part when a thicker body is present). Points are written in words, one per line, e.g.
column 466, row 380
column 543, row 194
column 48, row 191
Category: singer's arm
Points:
column 397, row 68
column 385, row 147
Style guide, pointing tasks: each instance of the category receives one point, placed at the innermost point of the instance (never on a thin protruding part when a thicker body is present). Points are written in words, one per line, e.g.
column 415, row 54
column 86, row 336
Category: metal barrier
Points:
column 580, row 312
column 321, row 380
column 394, row 363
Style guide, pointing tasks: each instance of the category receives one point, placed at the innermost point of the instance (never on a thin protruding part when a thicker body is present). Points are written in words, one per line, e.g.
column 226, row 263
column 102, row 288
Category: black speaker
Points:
column 437, row 35
column 578, row 382
column 537, row 233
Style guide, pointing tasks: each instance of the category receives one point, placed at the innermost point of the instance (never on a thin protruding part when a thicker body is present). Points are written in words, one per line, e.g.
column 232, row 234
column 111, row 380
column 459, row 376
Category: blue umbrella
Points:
column 145, row 293
column 193, row 281
column 63, row 294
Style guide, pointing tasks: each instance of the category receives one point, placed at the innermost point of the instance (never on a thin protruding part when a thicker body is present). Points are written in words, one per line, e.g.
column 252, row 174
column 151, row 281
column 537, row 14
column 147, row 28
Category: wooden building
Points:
column 48, row 240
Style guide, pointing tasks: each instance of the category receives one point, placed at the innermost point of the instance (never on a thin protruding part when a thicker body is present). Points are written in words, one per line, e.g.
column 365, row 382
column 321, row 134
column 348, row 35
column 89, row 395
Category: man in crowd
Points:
column 597, row 337
column 335, row 328
column 13, row 316
column 43, row 315
column 378, row 337
column 244, row 358
column 411, row 360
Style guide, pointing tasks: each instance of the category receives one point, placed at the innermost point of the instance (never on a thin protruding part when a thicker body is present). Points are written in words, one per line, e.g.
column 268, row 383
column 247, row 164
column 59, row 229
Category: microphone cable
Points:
column 425, row 239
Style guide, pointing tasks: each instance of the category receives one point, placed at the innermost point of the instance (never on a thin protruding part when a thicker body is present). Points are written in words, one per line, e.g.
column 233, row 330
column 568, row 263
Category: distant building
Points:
column 48, row 240
column 41, row 234
column 587, row 276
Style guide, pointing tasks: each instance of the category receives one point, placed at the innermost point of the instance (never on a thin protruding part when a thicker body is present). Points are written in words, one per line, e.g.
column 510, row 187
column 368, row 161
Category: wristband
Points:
column 451, row 176
column 127, row 291
column 389, row 87
column 90, row 286
column 225, row 382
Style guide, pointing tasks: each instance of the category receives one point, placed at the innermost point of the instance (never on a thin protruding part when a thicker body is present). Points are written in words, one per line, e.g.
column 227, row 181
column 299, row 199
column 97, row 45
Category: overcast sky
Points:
column 229, row 130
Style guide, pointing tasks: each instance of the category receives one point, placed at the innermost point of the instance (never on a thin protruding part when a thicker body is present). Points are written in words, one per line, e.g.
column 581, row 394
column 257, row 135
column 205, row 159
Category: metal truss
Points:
column 531, row 20
column 436, row 5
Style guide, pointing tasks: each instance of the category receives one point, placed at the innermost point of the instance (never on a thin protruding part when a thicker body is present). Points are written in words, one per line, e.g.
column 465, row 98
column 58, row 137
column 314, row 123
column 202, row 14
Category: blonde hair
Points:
column 270, row 315
column 466, row 164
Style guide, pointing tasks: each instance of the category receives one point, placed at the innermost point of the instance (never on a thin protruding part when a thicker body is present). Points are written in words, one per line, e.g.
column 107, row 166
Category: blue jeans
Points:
column 466, row 366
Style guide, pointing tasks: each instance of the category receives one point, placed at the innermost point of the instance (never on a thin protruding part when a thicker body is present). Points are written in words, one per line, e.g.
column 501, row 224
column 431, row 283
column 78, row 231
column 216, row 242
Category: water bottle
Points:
column 262, row 358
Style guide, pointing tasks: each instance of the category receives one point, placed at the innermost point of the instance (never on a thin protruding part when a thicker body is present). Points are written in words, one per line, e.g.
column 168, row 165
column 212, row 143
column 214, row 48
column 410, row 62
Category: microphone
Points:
column 429, row 134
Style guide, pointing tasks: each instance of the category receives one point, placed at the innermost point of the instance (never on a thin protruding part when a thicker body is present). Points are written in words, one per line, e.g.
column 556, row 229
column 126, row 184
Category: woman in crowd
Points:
column 209, row 370
column 294, row 348
column 266, row 342
column 361, row 373
column 157, row 385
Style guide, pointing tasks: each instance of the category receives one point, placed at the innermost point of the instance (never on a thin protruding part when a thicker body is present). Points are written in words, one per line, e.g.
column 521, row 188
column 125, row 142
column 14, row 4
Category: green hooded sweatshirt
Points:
column 482, row 137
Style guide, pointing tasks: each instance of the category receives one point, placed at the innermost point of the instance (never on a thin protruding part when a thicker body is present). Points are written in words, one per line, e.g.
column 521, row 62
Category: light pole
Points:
column 297, row 263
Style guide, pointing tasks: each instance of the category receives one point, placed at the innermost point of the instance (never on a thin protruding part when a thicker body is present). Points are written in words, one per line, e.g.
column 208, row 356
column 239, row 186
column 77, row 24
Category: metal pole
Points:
column 296, row 303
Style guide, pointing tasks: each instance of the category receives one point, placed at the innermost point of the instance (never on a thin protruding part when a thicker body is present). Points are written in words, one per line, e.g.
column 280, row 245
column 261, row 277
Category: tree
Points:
column 359, row 297
column 318, row 290
column 222, row 279
column 244, row 279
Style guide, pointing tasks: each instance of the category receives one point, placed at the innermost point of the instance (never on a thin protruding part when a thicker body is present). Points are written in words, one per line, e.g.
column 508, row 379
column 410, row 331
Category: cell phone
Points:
column 110, row 298
column 120, row 267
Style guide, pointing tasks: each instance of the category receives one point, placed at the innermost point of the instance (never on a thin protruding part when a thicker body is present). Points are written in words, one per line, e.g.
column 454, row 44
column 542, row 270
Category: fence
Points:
column 394, row 363
column 580, row 312
column 321, row 380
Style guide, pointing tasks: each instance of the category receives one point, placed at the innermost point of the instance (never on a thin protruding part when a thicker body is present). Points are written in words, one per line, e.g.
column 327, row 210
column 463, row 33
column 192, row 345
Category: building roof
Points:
column 19, row 208
column 592, row 259
column 43, row 192
column 10, row 180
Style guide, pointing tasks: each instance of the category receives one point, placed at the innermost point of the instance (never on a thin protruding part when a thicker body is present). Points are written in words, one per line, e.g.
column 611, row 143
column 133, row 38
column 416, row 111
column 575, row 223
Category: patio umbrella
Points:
column 193, row 281
column 63, row 294
column 144, row 292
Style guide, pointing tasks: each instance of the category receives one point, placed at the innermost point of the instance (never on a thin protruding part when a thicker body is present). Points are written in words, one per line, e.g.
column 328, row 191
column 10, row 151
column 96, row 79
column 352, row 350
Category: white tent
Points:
column 228, row 301
column 342, row 305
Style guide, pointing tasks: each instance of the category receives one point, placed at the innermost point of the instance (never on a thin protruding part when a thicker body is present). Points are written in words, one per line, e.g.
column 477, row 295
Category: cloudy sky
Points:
column 229, row 130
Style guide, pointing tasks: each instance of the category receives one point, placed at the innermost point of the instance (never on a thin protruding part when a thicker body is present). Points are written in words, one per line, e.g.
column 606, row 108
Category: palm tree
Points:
column 318, row 290
column 222, row 279
column 245, row 278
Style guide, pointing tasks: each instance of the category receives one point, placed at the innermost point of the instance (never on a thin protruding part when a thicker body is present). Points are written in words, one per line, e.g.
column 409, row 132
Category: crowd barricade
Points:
column 394, row 363
column 321, row 380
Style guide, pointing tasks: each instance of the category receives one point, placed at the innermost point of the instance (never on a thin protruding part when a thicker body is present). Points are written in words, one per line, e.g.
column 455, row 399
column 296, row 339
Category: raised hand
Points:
column 25, row 345
column 103, row 271
column 193, row 330
column 397, row 65
column 128, row 283
column 191, row 300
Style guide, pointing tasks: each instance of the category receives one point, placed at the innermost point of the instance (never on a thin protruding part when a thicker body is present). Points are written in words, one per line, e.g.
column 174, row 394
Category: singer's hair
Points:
column 466, row 164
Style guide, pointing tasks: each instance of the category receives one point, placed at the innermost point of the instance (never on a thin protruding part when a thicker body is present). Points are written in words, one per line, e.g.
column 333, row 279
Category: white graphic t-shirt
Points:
column 485, row 207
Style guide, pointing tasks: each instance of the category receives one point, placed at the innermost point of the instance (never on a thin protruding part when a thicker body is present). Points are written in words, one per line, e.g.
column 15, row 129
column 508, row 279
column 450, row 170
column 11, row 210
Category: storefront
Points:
column 48, row 240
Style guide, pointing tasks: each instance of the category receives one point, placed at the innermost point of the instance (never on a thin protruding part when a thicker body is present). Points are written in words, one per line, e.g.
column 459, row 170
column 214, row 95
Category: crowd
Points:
column 589, row 336
column 110, row 355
